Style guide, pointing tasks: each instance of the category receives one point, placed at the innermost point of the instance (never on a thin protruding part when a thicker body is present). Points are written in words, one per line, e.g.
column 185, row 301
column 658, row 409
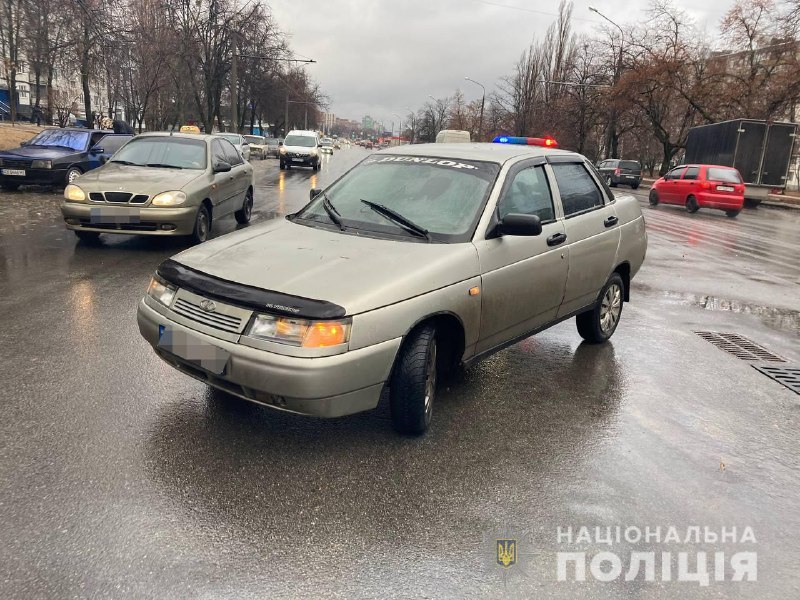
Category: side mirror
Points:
column 314, row 193
column 25, row 143
column 518, row 224
column 96, row 151
column 222, row 167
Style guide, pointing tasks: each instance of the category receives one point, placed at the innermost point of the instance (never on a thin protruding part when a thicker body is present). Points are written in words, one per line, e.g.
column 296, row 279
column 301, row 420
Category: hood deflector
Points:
column 247, row 296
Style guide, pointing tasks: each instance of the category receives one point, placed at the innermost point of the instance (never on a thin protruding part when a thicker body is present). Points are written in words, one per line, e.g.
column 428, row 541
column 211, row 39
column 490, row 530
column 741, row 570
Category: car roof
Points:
column 185, row 136
column 488, row 152
column 302, row 132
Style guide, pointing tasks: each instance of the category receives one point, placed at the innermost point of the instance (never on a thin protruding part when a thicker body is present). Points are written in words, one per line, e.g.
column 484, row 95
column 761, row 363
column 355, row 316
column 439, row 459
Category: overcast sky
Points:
column 378, row 57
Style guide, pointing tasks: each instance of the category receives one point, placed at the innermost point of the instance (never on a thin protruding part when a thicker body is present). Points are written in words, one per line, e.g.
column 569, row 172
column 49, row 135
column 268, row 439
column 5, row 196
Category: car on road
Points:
column 162, row 184
column 274, row 146
column 238, row 142
column 300, row 149
column 57, row 156
column 701, row 186
column 326, row 145
column 626, row 172
column 257, row 145
column 417, row 261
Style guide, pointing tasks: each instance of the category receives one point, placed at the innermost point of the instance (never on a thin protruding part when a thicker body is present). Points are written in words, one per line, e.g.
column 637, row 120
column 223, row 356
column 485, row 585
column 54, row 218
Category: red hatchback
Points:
column 701, row 186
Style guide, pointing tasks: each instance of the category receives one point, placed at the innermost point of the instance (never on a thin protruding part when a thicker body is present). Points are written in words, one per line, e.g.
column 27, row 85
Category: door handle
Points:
column 556, row 239
column 611, row 221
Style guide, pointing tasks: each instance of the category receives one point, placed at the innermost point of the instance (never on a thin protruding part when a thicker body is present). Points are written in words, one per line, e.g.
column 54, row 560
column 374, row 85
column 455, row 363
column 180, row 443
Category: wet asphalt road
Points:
column 123, row 478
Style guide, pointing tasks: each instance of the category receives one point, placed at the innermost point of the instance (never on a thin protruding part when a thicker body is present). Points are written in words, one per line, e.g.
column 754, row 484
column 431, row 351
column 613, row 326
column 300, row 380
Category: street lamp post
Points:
column 483, row 100
column 611, row 132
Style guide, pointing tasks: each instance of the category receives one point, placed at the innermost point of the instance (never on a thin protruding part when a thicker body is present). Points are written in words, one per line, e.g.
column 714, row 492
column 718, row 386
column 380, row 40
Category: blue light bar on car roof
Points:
column 547, row 142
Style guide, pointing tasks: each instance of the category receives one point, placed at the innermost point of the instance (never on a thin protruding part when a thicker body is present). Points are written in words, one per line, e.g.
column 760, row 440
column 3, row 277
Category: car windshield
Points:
column 300, row 140
column 726, row 175
column 254, row 139
column 440, row 195
column 327, row 142
column 167, row 152
column 62, row 138
column 272, row 141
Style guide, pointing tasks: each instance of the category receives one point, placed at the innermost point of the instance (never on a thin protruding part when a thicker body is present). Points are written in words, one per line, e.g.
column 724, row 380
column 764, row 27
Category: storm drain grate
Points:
column 788, row 376
column 739, row 346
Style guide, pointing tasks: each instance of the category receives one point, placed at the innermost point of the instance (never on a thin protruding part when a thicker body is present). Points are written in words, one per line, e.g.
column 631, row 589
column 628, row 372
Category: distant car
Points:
column 300, row 149
column 417, row 261
column 326, row 145
column 162, row 184
column 368, row 145
column 626, row 172
column 452, row 136
column 257, row 145
column 700, row 186
column 337, row 145
column 57, row 156
column 274, row 146
column 239, row 142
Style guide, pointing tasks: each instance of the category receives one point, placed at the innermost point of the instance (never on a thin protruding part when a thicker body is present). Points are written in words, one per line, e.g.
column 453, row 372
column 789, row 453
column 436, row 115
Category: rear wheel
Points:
column 732, row 213
column 653, row 198
column 243, row 214
column 202, row 225
column 634, row 186
column 600, row 323
column 691, row 204
column 413, row 382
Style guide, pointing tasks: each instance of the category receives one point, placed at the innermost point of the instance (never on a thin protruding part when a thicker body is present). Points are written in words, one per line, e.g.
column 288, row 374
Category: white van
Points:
column 452, row 136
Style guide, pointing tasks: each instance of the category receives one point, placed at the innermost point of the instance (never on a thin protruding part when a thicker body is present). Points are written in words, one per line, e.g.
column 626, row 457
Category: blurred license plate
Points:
column 114, row 214
column 193, row 349
column 724, row 188
column 297, row 160
column 16, row 172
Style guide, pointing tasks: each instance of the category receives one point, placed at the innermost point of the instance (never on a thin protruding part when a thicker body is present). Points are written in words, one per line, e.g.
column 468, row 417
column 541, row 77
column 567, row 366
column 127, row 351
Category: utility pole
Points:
column 286, row 118
column 483, row 100
column 611, row 131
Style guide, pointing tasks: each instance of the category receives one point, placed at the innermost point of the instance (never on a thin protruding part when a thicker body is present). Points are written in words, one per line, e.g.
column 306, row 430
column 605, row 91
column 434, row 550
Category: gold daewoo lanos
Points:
column 162, row 184
column 418, row 260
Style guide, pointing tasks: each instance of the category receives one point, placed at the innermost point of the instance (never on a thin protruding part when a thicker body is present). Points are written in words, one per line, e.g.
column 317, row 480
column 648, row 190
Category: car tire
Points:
column 691, row 204
column 243, row 214
column 10, row 187
column 412, row 386
column 610, row 182
column 72, row 174
column 202, row 225
column 90, row 237
column 282, row 165
column 732, row 213
column 634, row 186
column 599, row 323
column 653, row 197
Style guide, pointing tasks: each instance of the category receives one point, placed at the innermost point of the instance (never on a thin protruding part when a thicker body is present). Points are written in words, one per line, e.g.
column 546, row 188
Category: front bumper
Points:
column 329, row 386
column 106, row 218
column 36, row 177
column 303, row 160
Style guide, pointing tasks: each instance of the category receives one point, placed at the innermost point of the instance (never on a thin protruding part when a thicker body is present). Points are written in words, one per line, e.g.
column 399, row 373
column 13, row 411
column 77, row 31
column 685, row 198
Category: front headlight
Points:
column 169, row 199
column 74, row 194
column 300, row 332
column 42, row 164
column 161, row 291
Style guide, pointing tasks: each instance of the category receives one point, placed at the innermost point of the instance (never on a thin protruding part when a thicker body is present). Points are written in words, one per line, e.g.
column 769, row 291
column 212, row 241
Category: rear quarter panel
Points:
column 633, row 236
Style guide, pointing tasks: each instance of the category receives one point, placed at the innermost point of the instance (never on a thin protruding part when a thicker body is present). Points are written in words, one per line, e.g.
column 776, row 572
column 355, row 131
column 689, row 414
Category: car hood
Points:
column 301, row 149
column 355, row 272
column 35, row 152
column 141, row 180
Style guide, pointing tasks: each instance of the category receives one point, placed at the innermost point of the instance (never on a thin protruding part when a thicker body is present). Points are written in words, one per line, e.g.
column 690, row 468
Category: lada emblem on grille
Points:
column 208, row 305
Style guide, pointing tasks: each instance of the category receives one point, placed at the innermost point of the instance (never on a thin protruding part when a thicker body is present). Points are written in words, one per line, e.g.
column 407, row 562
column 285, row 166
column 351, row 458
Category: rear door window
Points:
column 579, row 192
column 726, row 175
column 691, row 173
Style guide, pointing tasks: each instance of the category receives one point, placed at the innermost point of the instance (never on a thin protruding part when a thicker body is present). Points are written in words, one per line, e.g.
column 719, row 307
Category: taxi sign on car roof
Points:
column 190, row 129
column 547, row 142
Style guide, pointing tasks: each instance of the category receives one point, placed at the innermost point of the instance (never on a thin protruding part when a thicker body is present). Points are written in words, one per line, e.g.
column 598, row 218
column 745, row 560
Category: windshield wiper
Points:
column 126, row 162
column 332, row 212
column 398, row 219
column 163, row 166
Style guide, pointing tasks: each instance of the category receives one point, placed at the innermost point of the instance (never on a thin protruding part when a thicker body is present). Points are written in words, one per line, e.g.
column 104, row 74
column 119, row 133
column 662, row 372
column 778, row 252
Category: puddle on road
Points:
column 780, row 319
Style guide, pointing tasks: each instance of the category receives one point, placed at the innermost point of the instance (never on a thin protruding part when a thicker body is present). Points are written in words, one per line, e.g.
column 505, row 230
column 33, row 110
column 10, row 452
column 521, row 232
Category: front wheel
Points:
column 653, row 198
column 72, row 174
column 413, row 382
column 691, row 204
column 243, row 214
column 600, row 323
column 732, row 213
column 202, row 225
